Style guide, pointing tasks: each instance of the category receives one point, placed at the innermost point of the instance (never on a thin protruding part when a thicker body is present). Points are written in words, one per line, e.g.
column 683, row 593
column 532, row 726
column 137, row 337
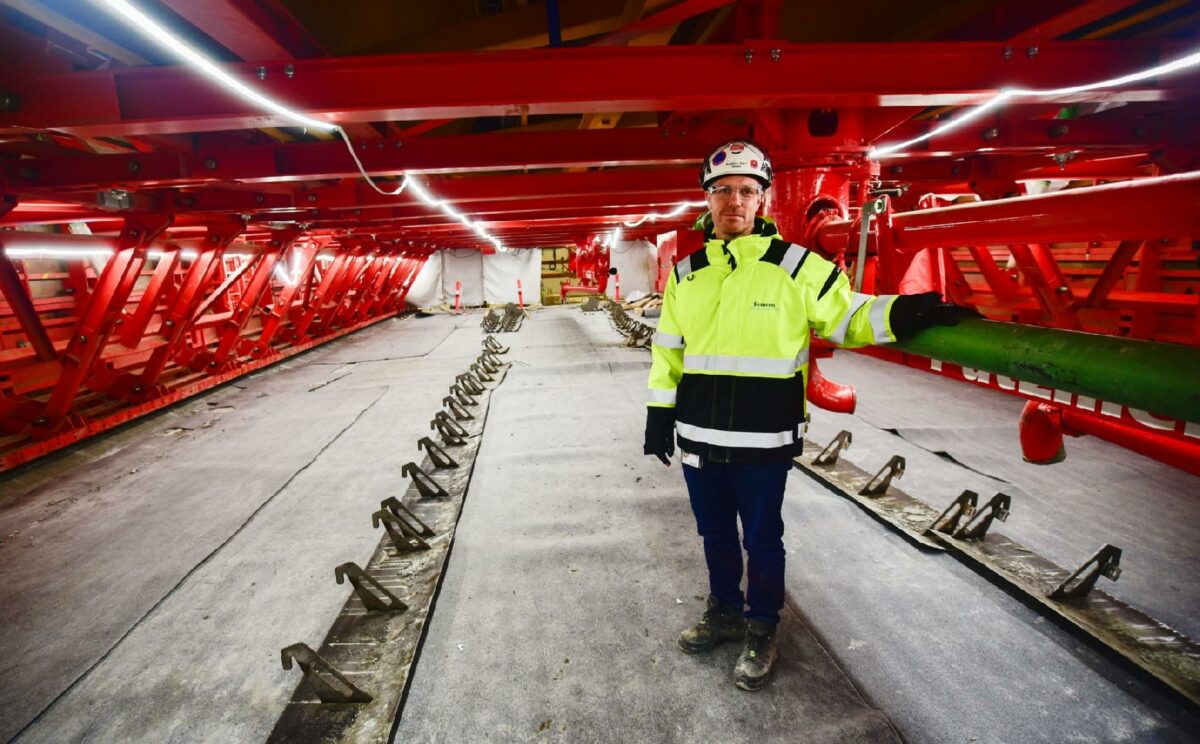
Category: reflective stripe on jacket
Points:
column 731, row 350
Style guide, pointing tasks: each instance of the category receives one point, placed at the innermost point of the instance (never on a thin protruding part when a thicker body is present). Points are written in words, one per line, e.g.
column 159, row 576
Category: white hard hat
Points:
column 737, row 158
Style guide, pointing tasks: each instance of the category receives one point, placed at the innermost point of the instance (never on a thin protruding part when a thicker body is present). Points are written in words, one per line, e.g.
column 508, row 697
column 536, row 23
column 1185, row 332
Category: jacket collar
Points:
column 741, row 250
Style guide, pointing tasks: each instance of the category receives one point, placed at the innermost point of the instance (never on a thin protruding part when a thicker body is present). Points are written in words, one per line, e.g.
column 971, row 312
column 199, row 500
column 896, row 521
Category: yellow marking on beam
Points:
column 1135, row 19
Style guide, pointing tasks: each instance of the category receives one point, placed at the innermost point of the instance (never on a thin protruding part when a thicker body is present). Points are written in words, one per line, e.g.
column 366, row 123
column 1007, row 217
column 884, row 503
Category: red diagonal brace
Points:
column 103, row 308
column 134, row 326
column 306, row 258
column 19, row 300
column 260, row 283
column 178, row 319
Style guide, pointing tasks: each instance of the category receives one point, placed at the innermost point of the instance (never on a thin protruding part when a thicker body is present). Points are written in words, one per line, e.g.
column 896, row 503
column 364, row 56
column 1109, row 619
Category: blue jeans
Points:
column 720, row 493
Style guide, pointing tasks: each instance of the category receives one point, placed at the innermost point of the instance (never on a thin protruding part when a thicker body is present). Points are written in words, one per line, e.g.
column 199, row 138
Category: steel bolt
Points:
column 897, row 169
column 213, row 363
column 262, row 73
column 168, row 324
column 82, row 339
column 776, row 54
column 41, row 421
column 956, row 170
column 27, row 173
column 134, row 233
column 1063, row 289
column 289, row 71
column 1032, row 52
column 210, row 163
column 357, row 212
column 990, row 134
column 137, row 389
column 1059, row 130
column 749, row 56
column 133, row 166
column 1008, row 52
column 312, row 197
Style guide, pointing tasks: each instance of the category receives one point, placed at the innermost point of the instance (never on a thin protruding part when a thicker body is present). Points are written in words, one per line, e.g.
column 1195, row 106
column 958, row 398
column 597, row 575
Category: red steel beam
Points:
column 582, row 80
column 1167, row 206
column 303, row 161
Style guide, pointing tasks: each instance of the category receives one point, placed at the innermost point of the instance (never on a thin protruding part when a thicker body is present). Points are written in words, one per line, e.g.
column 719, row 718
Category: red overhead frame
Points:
column 83, row 350
column 135, row 101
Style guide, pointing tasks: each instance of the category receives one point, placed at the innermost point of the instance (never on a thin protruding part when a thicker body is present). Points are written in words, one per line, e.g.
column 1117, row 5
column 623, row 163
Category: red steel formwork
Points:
column 222, row 238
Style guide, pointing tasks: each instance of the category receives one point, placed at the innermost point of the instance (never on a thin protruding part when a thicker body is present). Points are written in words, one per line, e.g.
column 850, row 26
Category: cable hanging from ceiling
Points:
column 157, row 33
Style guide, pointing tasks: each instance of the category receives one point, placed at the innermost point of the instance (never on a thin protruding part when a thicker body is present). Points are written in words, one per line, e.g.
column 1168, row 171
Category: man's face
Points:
column 733, row 216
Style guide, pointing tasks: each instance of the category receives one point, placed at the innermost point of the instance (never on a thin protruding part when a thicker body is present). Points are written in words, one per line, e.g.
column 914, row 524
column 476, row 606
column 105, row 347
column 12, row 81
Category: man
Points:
column 730, row 360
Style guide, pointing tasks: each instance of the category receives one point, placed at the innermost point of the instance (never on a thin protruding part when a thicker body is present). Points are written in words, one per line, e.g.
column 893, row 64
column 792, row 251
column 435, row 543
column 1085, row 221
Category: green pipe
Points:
column 1155, row 377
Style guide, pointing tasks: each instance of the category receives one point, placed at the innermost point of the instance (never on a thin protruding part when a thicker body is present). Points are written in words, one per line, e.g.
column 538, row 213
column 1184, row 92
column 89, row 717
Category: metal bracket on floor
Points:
column 425, row 483
column 491, row 344
column 448, row 436
column 485, row 363
column 480, row 373
column 456, row 408
column 878, row 485
column 963, row 529
column 463, row 396
column 404, row 536
column 437, row 455
column 490, row 322
column 469, row 383
column 330, row 685
column 392, row 504
column 374, row 596
column 492, row 359
column 450, row 424
column 1106, row 562
column 829, row 455
column 962, row 508
column 977, row 527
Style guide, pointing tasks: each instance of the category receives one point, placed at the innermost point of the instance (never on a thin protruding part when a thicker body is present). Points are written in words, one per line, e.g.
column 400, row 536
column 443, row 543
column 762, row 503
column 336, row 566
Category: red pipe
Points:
column 827, row 394
column 1043, row 425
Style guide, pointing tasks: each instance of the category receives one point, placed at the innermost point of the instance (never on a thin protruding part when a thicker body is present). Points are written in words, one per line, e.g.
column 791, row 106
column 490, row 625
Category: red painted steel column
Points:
column 801, row 197
column 91, row 333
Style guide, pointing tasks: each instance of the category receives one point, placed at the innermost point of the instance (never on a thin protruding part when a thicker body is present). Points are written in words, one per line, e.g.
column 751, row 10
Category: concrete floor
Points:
column 149, row 577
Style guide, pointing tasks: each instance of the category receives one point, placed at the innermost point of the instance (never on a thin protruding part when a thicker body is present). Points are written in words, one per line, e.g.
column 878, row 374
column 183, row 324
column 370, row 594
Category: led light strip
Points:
column 678, row 210
column 159, row 34
column 1007, row 94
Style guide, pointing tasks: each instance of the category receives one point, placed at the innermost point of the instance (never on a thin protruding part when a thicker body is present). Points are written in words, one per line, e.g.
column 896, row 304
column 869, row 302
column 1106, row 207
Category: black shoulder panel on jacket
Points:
column 688, row 264
column 833, row 275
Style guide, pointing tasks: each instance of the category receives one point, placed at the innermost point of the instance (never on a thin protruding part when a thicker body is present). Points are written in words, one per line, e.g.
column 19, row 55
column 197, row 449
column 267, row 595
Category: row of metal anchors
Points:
column 405, row 530
column 508, row 321
column 635, row 331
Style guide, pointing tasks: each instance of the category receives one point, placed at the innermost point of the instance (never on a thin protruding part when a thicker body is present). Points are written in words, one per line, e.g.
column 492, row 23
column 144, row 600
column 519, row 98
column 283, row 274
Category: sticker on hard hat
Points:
column 718, row 158
column 753, row 163
column 736, row 147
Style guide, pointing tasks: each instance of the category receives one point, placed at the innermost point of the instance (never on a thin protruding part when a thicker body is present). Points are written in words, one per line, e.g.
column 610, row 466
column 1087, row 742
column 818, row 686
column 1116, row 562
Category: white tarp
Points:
column 636, row 262
column 426, row 290
column 501, row 271
column 464, row 265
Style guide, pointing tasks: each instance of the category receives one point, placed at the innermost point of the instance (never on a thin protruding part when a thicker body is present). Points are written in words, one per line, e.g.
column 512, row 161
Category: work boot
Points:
column 720, row 623
column 754, row 665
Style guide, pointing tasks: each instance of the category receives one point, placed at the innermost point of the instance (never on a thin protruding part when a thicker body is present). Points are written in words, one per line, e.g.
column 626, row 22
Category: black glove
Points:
column 916, row 312
column 660, row 433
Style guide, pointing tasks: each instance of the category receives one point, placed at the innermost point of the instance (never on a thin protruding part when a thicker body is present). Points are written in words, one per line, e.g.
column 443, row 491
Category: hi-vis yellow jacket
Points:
column 731, row 351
